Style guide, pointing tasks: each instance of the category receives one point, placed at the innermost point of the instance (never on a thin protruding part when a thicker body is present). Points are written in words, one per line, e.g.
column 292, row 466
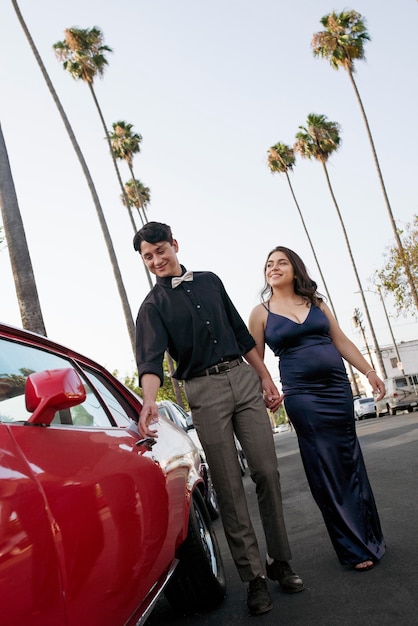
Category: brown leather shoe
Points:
column 258, row 597
column 285, row 576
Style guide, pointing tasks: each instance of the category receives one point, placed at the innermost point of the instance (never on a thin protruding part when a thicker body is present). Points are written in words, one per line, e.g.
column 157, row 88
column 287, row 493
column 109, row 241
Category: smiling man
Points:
column 191, row 315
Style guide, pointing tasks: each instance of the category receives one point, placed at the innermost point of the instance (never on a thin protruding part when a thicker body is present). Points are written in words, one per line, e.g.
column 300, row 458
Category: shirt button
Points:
column 215, row 341
column 198, row 306
column 207, row 322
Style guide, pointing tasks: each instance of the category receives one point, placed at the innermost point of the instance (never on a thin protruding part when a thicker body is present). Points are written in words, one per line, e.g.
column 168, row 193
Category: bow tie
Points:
column 176, row 280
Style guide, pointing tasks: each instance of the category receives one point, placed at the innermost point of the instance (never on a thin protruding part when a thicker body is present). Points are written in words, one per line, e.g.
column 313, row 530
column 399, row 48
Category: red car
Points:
column 95, row 522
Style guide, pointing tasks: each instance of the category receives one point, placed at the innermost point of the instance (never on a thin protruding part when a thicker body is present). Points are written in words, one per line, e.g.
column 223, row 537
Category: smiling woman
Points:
column 299, row 327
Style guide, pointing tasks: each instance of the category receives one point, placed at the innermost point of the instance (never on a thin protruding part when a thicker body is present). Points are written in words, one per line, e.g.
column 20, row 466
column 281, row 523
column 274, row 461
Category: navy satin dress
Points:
column 319, row 403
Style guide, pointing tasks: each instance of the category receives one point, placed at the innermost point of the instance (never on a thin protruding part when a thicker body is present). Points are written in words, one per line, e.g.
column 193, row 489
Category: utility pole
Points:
column 398, row 356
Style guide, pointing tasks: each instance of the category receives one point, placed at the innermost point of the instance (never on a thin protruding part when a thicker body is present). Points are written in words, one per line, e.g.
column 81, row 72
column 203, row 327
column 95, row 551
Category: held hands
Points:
column 149, row 415
column 377, row 385
column 272, row 398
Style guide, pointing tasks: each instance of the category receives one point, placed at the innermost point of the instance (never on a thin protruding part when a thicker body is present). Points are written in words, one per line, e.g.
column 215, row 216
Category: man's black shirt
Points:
column 196, row 322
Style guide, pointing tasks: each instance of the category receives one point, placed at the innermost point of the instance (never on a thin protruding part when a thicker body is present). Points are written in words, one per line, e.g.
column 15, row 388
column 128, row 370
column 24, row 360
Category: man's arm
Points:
column 272, row 397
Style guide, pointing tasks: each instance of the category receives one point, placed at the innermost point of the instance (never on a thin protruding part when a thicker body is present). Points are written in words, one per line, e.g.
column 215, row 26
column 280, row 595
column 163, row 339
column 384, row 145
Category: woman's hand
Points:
column 377, row 385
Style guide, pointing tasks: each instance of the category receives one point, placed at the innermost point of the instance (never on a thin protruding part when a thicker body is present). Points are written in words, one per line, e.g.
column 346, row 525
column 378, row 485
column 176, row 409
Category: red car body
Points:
column 93, row 519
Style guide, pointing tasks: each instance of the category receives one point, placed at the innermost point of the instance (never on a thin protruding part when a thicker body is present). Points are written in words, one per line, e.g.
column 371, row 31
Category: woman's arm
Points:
column 255, row 357
column 256, row 326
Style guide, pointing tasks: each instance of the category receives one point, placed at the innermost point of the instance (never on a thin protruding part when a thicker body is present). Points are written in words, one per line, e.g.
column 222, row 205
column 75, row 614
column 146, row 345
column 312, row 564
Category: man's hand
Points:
column 149, row 415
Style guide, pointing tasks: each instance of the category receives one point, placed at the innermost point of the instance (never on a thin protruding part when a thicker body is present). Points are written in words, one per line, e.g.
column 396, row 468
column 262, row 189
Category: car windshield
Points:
column 366, row 400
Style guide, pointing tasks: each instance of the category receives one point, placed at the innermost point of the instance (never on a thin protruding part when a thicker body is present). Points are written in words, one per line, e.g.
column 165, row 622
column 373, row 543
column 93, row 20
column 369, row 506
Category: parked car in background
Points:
column 401, row 395
column 281, row 428
column 95, row 521
column 363, row 408
column 183, row 420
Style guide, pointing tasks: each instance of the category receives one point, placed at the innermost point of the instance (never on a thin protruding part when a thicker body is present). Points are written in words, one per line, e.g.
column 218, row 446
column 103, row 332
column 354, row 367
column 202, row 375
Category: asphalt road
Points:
column 384, row 596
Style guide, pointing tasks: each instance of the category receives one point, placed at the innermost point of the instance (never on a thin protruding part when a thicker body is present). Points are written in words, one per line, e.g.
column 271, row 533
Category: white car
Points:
column 364, row 407
column 281, row 428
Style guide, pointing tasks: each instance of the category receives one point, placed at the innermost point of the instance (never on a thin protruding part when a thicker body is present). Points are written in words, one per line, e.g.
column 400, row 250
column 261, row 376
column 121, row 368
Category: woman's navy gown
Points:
column 319, row 403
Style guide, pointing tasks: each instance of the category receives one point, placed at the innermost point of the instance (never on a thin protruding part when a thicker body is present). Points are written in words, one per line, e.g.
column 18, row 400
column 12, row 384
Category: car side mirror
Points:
column 50, row 391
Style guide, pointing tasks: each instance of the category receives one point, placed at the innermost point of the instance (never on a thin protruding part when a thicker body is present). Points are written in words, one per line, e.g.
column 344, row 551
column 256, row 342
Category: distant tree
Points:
column 125, row 144
column 24, row 278
column 134, row 190
column 318, row 140
column 82, row 53
column 137, row 193
column 103, row 224
column 392, row 279
column 342, row 43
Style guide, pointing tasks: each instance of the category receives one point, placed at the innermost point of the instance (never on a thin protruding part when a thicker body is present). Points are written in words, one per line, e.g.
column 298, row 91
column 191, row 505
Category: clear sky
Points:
column 210, row 86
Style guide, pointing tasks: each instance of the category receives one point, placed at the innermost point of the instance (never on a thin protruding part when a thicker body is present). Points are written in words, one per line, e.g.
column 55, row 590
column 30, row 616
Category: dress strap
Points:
column 266, row 307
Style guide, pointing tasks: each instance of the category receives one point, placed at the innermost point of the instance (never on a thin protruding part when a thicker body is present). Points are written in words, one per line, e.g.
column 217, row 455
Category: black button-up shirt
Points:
column 196, row 322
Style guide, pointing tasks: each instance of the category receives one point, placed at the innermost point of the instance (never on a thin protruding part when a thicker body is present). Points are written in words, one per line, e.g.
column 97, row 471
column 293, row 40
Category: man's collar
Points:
column 165, row 281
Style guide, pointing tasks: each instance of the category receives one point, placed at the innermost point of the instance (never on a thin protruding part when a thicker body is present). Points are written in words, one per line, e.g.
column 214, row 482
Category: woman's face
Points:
column 279, row 270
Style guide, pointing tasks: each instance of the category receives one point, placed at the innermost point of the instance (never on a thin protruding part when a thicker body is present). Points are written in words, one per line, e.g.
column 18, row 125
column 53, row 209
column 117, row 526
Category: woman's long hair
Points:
column 304, row 286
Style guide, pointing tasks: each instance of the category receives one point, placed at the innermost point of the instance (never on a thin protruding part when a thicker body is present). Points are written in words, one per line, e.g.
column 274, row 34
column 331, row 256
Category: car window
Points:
column 121, row 415
column 180, row 416
column 17, row 362
column 401, row 382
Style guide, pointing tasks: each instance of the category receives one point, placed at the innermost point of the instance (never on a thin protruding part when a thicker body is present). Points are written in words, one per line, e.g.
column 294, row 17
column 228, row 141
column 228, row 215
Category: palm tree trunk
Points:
column 376, row 345
column 401, row 249
column 350, row 368
column 108, row 240
column 24, row 279
column 310, row 243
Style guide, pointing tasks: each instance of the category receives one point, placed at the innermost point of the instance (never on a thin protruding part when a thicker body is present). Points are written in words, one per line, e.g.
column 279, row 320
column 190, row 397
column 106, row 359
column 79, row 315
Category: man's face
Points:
column 161, row 258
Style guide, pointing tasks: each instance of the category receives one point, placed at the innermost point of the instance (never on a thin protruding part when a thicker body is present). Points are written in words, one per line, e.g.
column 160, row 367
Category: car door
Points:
column 102, row 497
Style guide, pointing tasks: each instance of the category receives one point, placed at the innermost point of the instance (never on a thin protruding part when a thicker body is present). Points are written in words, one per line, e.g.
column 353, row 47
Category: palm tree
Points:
column 82, row 53
column 24, row 279
column 281, row 159
column 138, row 195
column 342, row 43
column 125, row 144
column 106, row 234
column 318, row 140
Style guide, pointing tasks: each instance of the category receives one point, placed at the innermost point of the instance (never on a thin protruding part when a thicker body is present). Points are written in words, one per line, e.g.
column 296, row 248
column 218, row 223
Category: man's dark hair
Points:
column 153, row 232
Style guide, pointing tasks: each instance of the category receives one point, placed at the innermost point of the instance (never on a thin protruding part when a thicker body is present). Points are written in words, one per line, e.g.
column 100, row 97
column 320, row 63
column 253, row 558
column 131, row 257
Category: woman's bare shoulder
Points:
column 259, row 312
